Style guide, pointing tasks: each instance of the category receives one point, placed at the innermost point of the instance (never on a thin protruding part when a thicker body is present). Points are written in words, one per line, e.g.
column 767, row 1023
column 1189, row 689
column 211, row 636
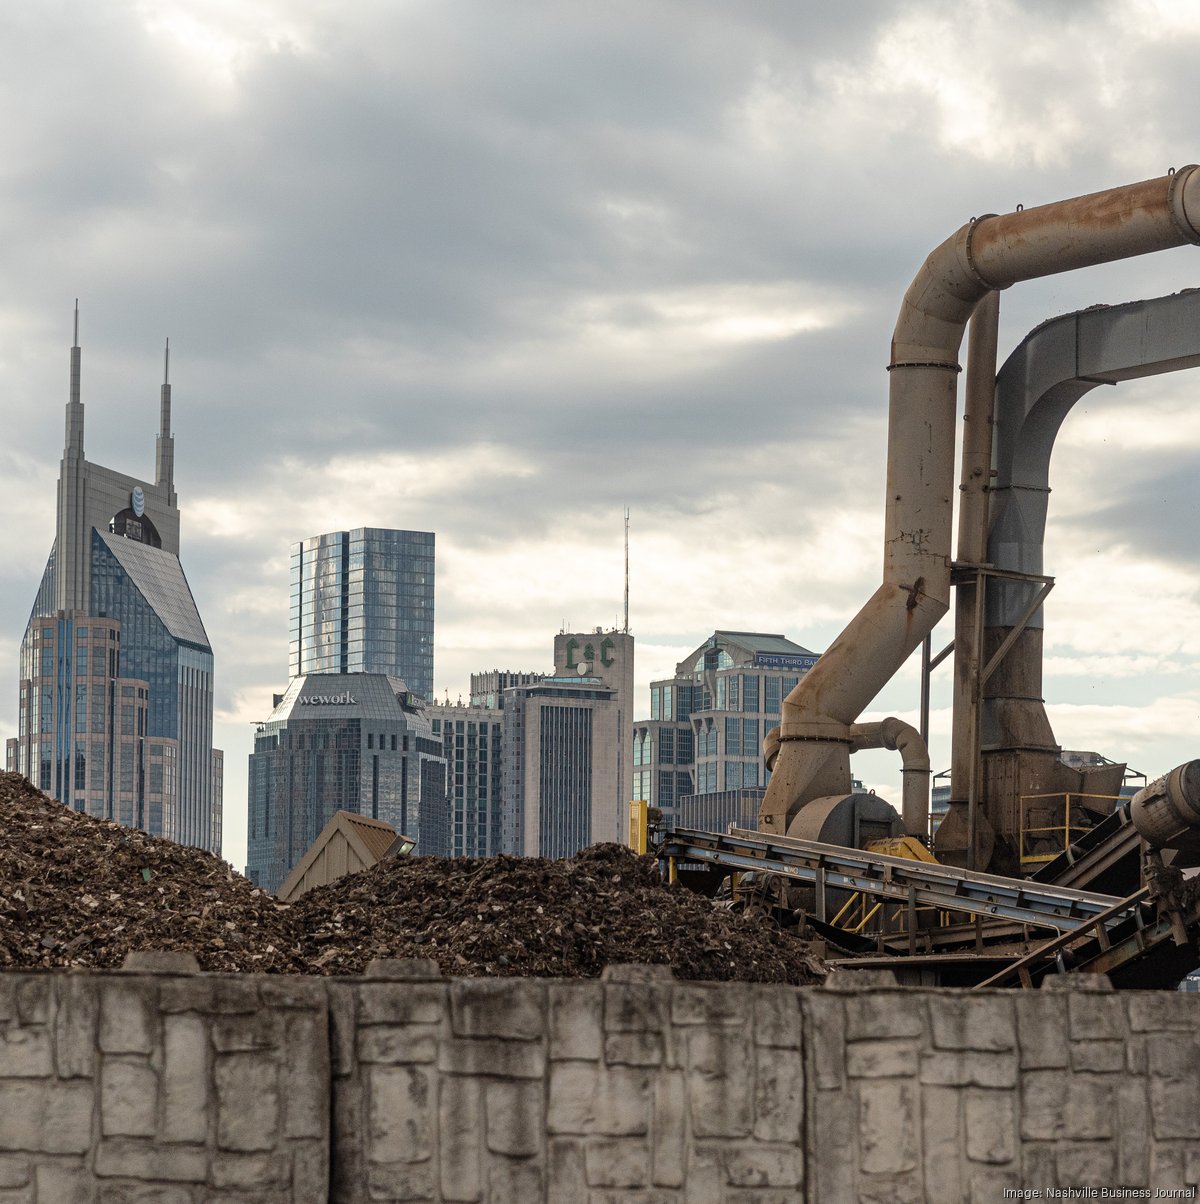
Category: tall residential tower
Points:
column 116, row 691
column 362, row 602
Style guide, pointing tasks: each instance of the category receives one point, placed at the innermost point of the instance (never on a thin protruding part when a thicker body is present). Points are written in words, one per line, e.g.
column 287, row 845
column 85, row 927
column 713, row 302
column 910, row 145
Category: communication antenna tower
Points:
column 626, row 628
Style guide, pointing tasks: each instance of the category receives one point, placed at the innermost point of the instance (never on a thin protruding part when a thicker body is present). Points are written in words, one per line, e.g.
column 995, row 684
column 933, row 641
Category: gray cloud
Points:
column 539, row 262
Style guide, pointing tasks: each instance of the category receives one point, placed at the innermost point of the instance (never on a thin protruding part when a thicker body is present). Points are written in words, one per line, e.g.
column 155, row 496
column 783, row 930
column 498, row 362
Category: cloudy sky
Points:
column 499, row 268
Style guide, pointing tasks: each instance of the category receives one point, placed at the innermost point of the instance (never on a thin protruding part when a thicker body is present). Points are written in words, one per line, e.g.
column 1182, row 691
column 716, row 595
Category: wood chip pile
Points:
column 76, row 891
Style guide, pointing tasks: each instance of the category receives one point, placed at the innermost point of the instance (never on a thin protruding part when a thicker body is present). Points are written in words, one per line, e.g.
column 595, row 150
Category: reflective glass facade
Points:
column 342, row 742
column 362, row 601
column 116, row 708
column 163, row 642
column 708, row 723
column 84, row 726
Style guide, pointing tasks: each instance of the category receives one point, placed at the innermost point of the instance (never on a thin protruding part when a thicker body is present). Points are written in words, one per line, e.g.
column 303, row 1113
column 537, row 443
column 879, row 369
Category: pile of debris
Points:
column 535, row 917
column 77, row 891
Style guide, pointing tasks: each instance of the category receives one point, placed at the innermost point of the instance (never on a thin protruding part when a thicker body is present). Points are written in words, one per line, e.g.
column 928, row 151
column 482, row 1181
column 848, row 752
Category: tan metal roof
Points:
column 374, row 833
column 352, row 842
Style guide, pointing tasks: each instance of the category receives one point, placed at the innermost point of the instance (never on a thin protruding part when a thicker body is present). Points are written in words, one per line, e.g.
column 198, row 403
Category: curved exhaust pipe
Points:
column 898, row 736
column 987, row 253
column 901, row 737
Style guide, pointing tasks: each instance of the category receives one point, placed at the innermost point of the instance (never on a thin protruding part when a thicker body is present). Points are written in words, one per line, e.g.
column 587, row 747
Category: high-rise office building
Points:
column 362, row 602
column 356, row 742
column 538, row 762
column 473, row 745
column 563, row 789
column 116, row 690
column 607, row 655
column 698, row 758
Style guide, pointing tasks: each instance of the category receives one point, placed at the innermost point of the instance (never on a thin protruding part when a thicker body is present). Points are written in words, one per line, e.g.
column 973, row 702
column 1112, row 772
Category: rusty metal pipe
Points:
column 990, row 253
column 901, row 737
column 974, row 481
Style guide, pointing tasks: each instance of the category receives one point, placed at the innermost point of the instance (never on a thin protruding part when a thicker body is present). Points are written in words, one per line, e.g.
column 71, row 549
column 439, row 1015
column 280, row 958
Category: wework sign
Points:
column 326, row 700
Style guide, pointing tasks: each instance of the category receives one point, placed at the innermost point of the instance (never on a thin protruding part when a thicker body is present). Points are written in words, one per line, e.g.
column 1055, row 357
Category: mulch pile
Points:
column 77, row 891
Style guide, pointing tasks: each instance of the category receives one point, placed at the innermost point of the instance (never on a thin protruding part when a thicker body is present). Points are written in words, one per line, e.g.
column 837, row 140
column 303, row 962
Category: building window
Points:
column 666, row 746
column 684, row 747
column 666, row 789
column 749, row 737
column 733, row 737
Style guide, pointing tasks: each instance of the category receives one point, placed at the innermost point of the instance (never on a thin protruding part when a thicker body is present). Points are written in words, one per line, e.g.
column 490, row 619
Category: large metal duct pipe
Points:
column 1166, row 813
column 901, row 737
column 990, row 253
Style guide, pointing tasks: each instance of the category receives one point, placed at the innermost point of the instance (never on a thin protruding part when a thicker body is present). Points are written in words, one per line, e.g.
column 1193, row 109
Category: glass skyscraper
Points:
column 116, row 690
column 356, row 742
column 362, row 602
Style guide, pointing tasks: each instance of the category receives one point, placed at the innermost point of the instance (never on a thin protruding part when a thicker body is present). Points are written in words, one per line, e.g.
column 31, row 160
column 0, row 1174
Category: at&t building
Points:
column 116, row 690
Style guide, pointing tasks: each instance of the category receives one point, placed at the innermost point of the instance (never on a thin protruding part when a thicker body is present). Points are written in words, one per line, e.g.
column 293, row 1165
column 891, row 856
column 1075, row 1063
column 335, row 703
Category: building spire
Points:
column 165, row 444
column 626, row 627
column 74, row 438
column 72, row 540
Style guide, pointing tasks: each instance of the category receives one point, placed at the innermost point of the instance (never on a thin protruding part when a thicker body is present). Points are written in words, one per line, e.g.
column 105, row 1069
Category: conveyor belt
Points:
column 917, row 883
column 1107, row 856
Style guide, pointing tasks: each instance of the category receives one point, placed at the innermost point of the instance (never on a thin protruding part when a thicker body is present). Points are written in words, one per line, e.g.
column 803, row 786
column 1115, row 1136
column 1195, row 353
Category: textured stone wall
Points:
column 174, row 1088
column 939, row 1095
column 633, row 1088
column 152, row 1089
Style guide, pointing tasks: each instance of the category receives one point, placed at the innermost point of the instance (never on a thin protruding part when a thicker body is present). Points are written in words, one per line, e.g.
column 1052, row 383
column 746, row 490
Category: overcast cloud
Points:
column 498, row 269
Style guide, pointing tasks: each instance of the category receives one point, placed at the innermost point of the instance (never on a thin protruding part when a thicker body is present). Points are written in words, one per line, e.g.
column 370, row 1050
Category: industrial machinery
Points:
column 972, row 918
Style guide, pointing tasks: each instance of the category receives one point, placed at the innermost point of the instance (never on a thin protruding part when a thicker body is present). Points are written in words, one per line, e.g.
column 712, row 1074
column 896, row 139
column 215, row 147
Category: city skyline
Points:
column 498, row 276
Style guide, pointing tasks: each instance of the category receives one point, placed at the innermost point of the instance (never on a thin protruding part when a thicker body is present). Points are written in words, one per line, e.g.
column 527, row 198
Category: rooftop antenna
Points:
column 626, row 627
column 74, row 409
column 164, row 448
column 75, row 357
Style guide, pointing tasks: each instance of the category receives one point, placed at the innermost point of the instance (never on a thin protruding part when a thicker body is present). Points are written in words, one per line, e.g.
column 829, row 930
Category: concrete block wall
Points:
column 182, row 1088
column 633, row 1088
column 144, row 1088
column 933, row 1095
